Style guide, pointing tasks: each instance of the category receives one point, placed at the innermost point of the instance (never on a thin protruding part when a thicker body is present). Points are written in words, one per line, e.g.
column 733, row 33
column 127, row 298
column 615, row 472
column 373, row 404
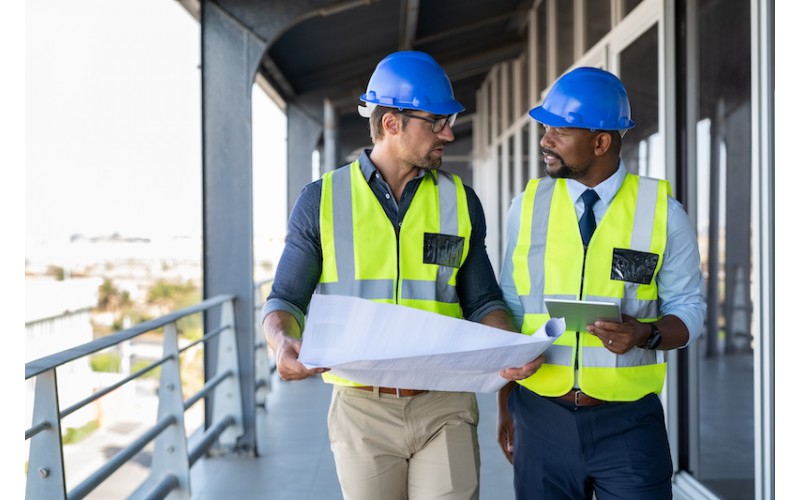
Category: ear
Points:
column 602, row 143
column 391, row 123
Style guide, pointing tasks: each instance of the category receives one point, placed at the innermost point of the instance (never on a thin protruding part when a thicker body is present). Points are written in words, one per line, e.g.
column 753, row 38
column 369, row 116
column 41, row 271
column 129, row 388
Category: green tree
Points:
column 57, row 272
column 171, row 296
column 110, row 298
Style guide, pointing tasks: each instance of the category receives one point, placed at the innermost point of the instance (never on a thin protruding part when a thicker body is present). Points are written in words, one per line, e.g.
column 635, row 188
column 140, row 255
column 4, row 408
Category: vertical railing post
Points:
column 262, row 369
column 228, row 394
column 46, row 477
column 170, row 455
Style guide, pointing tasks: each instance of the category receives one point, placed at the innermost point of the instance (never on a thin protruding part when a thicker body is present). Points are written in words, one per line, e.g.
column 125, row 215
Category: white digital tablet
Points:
column 579, row 313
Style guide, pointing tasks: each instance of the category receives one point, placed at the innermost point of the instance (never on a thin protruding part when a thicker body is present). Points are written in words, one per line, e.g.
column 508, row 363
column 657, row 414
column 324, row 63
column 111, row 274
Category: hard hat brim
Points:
column 545, row 117
column 437, row 108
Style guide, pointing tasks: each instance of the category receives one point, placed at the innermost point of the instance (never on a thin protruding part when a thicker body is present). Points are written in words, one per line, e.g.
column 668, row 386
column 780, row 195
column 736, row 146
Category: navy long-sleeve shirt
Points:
column 300, row 265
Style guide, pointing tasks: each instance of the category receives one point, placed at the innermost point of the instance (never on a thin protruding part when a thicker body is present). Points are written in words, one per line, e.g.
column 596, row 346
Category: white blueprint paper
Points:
column 395, row 346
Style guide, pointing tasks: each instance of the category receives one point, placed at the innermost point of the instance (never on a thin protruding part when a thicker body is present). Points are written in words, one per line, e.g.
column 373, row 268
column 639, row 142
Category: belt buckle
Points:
column 397, row 392
column 577, row 397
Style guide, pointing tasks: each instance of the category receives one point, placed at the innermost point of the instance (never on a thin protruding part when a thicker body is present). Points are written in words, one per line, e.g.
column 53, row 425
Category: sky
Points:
column 112, row 128
column 105, row 120
column 113, row 122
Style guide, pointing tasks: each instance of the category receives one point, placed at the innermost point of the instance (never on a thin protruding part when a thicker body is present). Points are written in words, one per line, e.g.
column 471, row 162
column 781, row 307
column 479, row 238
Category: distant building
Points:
column 57, row 318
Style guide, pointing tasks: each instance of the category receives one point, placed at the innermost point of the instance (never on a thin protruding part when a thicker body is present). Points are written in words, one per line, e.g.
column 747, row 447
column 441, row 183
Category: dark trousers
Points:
column 614, row 451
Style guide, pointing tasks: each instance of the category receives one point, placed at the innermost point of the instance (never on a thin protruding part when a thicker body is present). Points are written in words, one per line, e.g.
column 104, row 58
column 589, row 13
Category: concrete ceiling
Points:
column 320, row 49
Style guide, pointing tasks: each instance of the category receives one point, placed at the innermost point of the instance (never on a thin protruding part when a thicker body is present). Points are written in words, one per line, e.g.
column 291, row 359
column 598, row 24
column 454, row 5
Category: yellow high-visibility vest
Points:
column 363, row 256
column 549, row 262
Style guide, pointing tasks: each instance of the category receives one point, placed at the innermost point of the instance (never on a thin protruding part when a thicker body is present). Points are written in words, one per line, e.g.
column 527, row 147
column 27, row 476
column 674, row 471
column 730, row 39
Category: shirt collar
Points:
column 606, row 190
column 369, row 169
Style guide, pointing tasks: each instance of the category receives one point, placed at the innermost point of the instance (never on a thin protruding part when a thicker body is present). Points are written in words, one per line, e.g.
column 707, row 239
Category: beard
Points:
column 565, row 171
column 429, row 160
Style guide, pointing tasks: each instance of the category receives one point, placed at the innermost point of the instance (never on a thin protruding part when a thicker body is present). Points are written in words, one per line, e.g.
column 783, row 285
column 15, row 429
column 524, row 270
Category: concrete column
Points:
column 230, row 56
column 331, row 137
column 303, row 133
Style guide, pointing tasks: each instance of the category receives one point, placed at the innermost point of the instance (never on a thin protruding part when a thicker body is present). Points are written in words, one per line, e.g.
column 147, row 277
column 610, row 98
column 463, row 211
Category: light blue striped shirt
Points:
column 680, row 281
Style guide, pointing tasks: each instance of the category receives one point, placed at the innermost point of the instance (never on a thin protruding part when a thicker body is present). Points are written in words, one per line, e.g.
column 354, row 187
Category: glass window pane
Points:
column 522, row 105
column 642, row 149
column 628, row 6
column 598, row 21
column 565, row 21
column 527, row 172
column 541, row 50
column 722, row 131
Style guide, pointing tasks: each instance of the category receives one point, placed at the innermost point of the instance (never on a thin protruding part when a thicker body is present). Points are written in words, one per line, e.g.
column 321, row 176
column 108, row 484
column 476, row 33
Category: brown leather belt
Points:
column 400, row 393
column 579, row 398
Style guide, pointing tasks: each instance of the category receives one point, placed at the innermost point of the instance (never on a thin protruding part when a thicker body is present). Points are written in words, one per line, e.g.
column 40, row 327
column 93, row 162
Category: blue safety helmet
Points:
column 411, row 80
column 589, row 98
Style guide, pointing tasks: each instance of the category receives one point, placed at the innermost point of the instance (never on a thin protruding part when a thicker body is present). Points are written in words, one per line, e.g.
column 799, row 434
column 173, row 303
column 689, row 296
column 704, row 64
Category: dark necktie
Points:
column 587, row 223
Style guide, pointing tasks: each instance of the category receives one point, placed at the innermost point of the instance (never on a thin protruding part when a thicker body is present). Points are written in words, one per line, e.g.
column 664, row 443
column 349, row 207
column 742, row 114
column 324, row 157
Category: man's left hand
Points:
column 620, row 338
column 522, row 372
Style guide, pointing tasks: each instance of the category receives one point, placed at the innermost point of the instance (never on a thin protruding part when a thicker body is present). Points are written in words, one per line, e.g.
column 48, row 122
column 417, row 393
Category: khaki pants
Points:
column 417, row 448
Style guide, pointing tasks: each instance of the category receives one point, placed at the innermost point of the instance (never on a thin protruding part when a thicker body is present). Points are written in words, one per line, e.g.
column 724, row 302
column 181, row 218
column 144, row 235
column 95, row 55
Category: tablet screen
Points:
column 579, row 313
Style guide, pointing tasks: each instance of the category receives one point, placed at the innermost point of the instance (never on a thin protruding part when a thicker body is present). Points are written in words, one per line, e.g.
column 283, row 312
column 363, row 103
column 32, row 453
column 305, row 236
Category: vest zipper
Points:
column 397, row 249
column 580, row 296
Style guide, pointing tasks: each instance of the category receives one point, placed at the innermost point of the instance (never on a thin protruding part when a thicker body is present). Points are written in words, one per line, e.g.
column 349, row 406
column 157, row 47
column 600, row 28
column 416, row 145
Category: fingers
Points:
column 536, row 364
column 505, row 437
column 523, row 372
column 294, row 370
column 618, row 338
column 288, row 366
column 508, row 452
column 514, row 374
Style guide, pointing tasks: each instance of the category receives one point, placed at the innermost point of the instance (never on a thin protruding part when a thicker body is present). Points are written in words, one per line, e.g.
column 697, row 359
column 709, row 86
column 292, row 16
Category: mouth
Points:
column 550, row 158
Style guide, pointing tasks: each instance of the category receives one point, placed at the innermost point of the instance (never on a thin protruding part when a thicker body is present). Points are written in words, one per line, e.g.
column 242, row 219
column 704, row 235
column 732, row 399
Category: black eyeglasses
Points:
column 437, row 123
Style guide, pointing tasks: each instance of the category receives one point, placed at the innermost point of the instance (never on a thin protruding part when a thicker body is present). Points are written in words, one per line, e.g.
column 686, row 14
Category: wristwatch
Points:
column 655, row 337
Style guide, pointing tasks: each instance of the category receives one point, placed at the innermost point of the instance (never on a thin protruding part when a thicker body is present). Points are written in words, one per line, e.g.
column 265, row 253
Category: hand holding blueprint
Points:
column 396, row 346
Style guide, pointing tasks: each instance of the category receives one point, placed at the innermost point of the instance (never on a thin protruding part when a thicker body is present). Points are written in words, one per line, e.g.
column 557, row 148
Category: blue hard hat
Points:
column 586, row 98
column 411, row 80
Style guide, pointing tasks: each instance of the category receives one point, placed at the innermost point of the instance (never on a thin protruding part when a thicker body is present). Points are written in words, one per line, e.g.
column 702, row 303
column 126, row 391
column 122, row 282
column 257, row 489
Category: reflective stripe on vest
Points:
column 361, row 253
column 547, row 261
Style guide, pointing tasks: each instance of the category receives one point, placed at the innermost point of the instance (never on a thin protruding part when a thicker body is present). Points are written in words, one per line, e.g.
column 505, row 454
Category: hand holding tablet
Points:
column 579, row 313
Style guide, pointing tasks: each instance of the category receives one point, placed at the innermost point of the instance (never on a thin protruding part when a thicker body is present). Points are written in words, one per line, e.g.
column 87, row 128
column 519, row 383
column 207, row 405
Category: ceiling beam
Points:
column 192, row 7
column 464, row 67
column 273, row 73
column 409, row 16
column 468, row 27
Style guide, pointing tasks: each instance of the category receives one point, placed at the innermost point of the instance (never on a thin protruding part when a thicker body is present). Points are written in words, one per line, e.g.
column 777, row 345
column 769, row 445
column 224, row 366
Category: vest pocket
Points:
column 633, row 266
column 442, row 249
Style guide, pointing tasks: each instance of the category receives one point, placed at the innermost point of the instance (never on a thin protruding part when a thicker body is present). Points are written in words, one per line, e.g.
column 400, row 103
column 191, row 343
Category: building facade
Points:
column 699, row 82
column 700, row 75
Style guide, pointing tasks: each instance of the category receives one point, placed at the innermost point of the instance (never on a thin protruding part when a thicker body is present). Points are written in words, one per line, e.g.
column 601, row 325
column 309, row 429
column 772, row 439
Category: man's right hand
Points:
column 505, row 423
column 287, row 350
column 282, row 333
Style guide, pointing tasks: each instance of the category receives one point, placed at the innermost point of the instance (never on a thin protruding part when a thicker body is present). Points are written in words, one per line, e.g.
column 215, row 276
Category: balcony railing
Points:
column 173, row 452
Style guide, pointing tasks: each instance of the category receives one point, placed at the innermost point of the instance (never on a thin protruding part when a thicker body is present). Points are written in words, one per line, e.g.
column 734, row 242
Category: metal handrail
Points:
column 207, row 388
column 163, row 487
column 46, row 476
column 264, row 370
column 93, row 481
column 41, row 365
column 209, row 438
column 97, row 395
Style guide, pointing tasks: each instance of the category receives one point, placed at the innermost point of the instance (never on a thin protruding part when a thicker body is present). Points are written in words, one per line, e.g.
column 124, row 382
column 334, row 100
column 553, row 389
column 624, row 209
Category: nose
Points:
column 547, row 140
column 447, row 133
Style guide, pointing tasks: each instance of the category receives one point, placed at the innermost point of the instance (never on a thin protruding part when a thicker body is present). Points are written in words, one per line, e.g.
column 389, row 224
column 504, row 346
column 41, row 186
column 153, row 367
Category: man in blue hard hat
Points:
column 590, row 422
column 392, row 227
